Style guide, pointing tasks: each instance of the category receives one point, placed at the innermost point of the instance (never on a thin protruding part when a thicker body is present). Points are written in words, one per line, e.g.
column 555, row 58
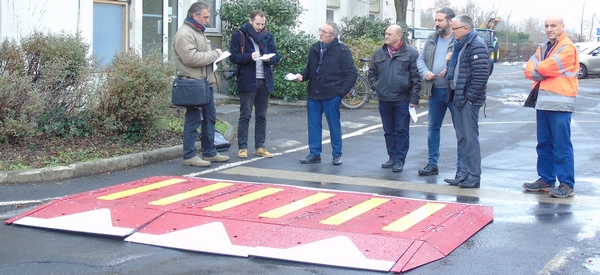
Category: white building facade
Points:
column 114, row 26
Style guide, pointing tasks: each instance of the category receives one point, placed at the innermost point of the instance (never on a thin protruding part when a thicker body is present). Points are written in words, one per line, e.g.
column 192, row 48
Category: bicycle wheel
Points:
column 358, row 96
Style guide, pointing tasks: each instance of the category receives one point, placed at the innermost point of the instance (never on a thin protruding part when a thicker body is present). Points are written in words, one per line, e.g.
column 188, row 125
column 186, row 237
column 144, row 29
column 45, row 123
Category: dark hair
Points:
column 465, row 20
column 197, row 8
column 448, row 12
column 255, row 13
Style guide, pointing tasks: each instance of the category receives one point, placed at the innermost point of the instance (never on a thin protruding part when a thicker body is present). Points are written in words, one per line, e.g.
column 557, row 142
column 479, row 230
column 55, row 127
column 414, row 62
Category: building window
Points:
column 330, row 15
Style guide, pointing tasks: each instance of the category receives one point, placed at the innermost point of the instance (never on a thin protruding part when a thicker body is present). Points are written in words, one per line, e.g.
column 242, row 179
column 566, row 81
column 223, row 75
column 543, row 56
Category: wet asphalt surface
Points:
column 530, row 234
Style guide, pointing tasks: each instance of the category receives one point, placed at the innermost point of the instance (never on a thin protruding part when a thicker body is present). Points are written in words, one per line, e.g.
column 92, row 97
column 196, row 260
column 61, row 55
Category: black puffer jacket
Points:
column 337, row 74
column 473, row 73
column 396, row 78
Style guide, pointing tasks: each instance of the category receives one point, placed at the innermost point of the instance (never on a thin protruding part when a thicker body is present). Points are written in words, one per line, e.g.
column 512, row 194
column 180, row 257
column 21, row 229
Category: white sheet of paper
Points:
column 266, row 56
column 223, row 56
column 413, row 113
column 290, row 76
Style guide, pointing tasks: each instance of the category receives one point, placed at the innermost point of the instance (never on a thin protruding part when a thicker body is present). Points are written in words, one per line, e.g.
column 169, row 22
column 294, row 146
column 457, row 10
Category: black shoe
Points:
column 310, row 159
column 388, row 164
column 398, row 166
column 336, row 160
column 457, row 179
column 469, row 184
column 429, row 170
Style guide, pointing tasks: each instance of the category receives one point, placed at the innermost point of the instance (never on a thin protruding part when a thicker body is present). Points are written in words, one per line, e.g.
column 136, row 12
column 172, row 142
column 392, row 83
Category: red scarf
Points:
column 393, row 51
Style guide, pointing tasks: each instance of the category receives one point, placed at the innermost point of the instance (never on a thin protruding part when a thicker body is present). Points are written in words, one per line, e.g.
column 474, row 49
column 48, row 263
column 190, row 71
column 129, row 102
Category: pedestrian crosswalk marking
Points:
column 242, row 200
column 141, row 189
column 354, row 211
column 414, row 217
column 191, row 193
column 295, row 206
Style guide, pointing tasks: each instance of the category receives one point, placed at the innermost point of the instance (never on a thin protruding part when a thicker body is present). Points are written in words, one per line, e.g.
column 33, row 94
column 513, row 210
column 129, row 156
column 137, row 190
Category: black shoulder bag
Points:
column 189, row 92
column 533, row 95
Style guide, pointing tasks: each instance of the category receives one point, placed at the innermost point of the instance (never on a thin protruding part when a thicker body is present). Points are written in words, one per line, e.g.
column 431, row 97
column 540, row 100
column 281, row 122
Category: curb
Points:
column 89, row 168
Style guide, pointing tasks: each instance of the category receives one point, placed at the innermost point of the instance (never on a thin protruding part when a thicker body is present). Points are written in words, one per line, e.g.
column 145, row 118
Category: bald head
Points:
column 393, row 36
column 554, row 27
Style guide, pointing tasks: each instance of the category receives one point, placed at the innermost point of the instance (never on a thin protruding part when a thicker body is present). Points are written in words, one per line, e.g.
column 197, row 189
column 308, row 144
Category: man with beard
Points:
column 432, row 67
column 255, row 80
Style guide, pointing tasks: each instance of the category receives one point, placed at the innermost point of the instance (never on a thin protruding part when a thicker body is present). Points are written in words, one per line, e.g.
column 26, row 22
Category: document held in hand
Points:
column 266, row 56
column 413, row 113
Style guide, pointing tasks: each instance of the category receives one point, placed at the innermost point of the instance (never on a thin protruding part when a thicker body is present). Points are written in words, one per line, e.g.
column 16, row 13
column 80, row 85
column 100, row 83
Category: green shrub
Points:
column 282, row 20
column 364, row 27
column 18, row 103
column 133, row 92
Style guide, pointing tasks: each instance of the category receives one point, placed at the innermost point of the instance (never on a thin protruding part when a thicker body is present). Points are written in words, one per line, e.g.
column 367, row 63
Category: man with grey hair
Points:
column 331, row 74
column 194, row 55
column 432, row 67
column 468, row 73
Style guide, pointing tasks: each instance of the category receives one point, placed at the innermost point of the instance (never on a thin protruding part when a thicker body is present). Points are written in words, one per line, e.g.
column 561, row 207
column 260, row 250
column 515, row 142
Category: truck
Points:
column 488, row 34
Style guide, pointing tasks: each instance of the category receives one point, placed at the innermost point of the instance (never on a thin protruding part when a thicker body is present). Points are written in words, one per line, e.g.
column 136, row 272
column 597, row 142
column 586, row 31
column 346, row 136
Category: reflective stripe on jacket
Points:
column 557, row 73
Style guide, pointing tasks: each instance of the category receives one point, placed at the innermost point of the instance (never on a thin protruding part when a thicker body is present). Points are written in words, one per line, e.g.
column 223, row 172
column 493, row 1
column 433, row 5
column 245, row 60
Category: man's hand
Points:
column 298, row 77
column 448, row 56
column 219, row 51
column 443, row 73
column 255, row 56
column 430, row 76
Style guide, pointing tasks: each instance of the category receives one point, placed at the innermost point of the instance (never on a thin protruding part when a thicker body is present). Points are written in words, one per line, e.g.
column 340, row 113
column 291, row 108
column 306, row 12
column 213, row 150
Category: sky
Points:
column 570, row 10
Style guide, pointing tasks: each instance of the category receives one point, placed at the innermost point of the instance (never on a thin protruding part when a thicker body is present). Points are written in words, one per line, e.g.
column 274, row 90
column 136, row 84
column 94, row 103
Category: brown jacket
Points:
column 193, row 53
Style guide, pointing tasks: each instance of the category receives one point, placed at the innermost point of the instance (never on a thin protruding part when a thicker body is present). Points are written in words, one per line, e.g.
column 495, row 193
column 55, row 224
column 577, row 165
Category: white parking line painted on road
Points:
column 7, row 203
column 557, row 262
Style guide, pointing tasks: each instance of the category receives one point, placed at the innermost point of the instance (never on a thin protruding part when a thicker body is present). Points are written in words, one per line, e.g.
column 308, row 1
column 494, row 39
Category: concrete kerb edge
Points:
column 89, row 168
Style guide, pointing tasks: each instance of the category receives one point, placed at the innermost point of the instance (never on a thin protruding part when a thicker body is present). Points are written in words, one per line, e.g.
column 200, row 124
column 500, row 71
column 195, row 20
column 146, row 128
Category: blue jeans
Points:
column 315, row 110
column 395, row 119
column 438, row 103
column 194, row 117
column 554, row 148
column 260, row 101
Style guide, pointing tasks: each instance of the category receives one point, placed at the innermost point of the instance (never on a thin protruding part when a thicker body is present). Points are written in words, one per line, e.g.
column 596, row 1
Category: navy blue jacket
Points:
column 396, row 78
column 246, row 67
column 473, row 73
column 337, row 74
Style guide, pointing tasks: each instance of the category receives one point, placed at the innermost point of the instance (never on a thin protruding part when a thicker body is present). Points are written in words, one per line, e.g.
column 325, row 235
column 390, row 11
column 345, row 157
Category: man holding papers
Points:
column 253, row 49
column 394, row 75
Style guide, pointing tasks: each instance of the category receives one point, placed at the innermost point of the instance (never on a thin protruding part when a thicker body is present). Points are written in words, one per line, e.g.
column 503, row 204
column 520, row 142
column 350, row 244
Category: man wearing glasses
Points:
column 468, row 72
column 432, row 67
column 331, row 74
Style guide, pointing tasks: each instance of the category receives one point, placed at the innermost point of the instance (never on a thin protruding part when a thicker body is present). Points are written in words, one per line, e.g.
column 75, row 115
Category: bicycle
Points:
column 361, row 93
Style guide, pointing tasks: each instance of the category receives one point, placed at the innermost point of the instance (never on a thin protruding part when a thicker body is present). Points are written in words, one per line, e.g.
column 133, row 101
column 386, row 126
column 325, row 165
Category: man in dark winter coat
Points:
column 468, row 72
column 395, row 77
column 249, row 48
column 332, row 75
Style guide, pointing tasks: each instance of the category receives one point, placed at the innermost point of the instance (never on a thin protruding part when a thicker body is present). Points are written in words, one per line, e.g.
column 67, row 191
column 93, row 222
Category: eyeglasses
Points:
column 458, row 28
column 324, row 32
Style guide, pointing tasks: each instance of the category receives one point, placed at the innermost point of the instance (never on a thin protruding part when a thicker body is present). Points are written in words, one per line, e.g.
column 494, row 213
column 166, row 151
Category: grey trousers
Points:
column 466, row 121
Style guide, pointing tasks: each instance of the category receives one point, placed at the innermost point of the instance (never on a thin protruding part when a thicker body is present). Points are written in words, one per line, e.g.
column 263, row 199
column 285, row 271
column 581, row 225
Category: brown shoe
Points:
column 216, row 158
column 243, row 153
column 196, row 161
column 262, row 151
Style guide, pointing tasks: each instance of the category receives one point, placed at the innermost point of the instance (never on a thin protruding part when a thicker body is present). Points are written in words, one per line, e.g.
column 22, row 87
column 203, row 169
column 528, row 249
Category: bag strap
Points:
column 242, row 41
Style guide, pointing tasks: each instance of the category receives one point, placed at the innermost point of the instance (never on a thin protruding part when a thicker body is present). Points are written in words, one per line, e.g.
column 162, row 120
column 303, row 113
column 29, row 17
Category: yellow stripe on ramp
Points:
column 295, row 206
column 142, row 189
column 354, row 211
column 243, row 199
column 191, row 193
column 408, row 221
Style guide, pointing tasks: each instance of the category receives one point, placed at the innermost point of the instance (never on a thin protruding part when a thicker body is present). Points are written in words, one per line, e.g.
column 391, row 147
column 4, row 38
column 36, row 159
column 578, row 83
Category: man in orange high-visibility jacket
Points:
column 555, row 66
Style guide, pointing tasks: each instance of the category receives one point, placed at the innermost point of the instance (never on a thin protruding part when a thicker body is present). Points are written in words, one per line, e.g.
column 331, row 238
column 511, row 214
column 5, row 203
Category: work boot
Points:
column 458, row 178
column 196, row 161
column 398, row 166
column 262, row 151
column 216, row 158
column 243, row 153
column 388, row 164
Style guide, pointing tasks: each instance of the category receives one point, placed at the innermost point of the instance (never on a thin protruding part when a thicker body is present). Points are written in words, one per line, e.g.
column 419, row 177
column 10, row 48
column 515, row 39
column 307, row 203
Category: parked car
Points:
column 589, row 58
